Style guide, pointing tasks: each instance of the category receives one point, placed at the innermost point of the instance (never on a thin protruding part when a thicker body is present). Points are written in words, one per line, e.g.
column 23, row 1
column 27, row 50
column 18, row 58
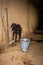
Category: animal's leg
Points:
column 19, row 37
column 13, row 35
column 16, row 37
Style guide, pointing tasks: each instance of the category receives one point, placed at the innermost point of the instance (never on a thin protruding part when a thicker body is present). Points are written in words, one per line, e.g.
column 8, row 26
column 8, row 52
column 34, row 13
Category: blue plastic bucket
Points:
column 25, row 44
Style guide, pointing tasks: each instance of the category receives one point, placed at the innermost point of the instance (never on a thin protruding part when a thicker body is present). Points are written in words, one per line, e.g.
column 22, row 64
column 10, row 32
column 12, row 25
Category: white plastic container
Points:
column 25, row 44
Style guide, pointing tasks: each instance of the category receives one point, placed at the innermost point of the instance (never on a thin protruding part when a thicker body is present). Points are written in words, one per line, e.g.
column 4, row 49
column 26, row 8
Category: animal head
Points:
column 13, row 26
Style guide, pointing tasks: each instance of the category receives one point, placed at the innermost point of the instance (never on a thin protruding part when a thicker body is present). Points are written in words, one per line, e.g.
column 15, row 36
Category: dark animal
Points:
column 16, row 28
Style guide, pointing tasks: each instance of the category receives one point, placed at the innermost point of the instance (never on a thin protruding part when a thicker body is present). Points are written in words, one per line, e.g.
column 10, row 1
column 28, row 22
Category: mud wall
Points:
column 22, row 13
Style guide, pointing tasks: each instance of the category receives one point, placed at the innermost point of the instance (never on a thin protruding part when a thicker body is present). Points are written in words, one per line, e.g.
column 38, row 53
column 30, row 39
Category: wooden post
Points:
column 2, row 22
column 5, row 21
column 6, row 25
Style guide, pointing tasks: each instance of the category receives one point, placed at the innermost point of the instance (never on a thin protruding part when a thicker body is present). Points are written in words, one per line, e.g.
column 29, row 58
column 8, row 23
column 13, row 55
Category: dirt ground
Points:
column 14, row 56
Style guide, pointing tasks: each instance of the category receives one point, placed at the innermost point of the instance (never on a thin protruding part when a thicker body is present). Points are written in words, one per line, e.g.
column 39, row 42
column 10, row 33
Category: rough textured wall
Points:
column 18, row 13
column 22, row 13
column 33, row 18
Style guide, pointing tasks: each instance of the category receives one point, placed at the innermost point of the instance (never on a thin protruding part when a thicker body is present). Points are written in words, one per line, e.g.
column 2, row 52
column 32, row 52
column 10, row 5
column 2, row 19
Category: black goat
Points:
column 16, row 28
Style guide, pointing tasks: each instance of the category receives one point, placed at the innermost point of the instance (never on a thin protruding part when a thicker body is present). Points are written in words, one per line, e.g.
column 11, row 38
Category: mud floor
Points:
column 14, row 56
